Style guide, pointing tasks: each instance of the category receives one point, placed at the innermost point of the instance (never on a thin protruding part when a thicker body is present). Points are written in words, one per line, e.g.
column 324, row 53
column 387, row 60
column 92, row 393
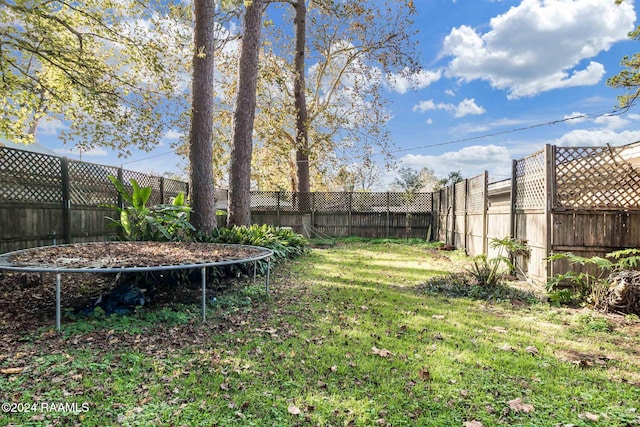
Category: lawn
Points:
column 349, row 336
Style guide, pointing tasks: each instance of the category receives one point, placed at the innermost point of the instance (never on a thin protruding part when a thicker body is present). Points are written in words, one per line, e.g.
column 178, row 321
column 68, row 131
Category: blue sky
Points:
column 491, row 67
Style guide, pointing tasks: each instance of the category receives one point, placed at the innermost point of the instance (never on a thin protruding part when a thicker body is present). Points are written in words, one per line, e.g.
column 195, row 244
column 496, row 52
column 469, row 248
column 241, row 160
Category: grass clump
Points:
column 463, row 285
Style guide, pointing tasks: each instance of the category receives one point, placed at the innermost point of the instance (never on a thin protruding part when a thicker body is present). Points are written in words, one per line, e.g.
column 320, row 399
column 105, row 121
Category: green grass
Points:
column 348, row 336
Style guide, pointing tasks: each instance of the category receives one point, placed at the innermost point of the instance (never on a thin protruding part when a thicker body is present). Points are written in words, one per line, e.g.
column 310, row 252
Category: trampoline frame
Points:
column 263, row 253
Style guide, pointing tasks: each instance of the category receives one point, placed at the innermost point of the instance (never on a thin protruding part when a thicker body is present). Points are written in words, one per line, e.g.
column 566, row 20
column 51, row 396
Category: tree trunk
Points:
column 243, row 118
column 302, row 136
column 203, row 216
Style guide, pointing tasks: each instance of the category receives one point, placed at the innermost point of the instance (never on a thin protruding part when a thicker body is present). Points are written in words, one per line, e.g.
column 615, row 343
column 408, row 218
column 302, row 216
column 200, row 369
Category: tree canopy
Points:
column 110, row 72
column 628, row 78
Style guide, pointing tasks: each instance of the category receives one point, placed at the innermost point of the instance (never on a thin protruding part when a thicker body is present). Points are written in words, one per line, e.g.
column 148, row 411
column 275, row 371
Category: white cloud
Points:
column 405, row 81
column 471, row 161
column 575, row 118
column 597, row 137
column 468, row 106
column 539, row 45
column 429, row 121
column 173, row 134
column 450, row 92
column 93, row 152
column 423, row 106
column 611, row 122
column 465, row 107
column 50, row 127
column 606, row 121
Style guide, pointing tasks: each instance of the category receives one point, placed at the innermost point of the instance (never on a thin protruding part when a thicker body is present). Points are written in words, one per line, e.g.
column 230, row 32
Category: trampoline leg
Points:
column 266, row 284
column 255, row 269
column 58, row 316
column 204, row 293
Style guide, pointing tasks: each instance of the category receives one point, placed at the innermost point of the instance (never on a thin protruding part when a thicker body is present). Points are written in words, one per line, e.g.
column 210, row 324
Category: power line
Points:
column 149, row 157
column 614, row 112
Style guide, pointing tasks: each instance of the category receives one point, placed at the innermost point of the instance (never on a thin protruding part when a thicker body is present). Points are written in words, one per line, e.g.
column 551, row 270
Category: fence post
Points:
column 485, row 213
column 550, row 184
column 466, row 215
column 313, row 209
column 387, row 228
column 350, row 208
column 120, row 177
column 453, row 215
column 278, row 208
column 66, row 200
column 514, row 197
column 162, row 191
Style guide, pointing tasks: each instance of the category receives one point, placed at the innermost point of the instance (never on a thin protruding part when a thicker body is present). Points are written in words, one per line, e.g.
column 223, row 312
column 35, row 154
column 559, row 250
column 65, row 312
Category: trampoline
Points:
column 115, row 257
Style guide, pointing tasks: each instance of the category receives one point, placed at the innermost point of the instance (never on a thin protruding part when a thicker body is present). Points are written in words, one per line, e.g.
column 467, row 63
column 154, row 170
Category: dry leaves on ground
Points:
column 382, row 352
column 517, row 405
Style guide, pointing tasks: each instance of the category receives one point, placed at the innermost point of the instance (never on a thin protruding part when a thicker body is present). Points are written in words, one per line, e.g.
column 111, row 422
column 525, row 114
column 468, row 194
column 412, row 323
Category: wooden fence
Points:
column 340, row 214
column 584, row 200
column 47, row 199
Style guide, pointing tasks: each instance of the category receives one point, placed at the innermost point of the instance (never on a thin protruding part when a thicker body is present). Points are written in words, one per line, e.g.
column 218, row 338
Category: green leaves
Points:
column 284, row 243
column 591, row 284
column 164, row 222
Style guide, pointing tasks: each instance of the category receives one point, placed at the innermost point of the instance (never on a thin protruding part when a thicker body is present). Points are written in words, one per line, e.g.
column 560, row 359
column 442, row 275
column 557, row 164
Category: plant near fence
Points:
column 490, row 272
column 593, row 288
column 137, row 221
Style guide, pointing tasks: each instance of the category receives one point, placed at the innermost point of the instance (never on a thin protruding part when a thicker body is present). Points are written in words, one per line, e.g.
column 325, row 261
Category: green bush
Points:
column 492, row 272
column 284, row 243
column 137, row 221
column 576, row 288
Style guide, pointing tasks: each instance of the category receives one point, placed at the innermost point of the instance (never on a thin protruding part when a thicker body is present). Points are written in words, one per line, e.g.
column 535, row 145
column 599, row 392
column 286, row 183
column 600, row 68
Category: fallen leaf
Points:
column 589, row 416
column 382, row 352
column 293, row 410
column 424, row 374
column 499, row 329
column 517, row 405
column 438, row 317
column 505, row 347
column 531, row 350
column 473, row 423
column 11, row 371
column 334, row 368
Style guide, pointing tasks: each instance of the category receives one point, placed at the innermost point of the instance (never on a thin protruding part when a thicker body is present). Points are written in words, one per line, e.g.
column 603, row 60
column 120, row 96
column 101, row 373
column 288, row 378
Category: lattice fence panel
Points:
column 530, row 182
column 89, row 184
column 29, row 177
column 596, row 178
column 369, row 202
column 476, row 194
column 460, row 196
column 410, row 202
column 270, row 201
column 144, row 180
column 332, row 202
column 172, row 188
